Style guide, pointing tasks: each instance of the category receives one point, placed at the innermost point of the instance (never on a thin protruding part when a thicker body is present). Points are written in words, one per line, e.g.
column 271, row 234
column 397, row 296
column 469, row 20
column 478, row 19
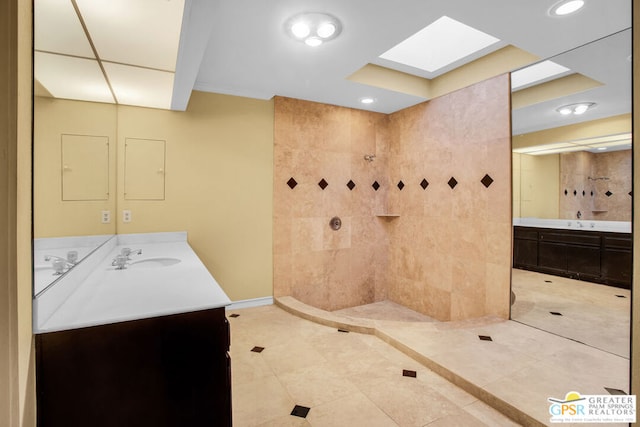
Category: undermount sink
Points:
column 154, row 263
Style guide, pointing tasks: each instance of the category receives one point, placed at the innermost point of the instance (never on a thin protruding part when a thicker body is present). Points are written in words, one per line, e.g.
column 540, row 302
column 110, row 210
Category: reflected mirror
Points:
column 73, row 156
column 572, row 193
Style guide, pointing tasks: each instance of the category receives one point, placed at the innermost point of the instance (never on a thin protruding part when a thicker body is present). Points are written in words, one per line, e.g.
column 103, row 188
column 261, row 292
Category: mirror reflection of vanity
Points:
column 572, row 196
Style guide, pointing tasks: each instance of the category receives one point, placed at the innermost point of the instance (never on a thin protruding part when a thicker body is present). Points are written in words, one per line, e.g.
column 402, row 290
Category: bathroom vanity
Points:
column 594, row 251
column 146, row 344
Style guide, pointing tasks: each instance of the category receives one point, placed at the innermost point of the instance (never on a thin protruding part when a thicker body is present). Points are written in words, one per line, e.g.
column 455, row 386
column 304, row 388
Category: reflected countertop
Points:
column 575, row 224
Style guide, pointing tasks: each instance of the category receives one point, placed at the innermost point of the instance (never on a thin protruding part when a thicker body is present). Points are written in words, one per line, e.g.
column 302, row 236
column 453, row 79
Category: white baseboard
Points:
column 247, row 303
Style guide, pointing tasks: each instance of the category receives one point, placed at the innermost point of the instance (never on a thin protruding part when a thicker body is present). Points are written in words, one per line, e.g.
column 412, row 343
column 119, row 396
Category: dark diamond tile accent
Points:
column 400, row 185
column 452, row 183
column 485, row 338
column 575, row 192
column 409, row 373
column 323, row 184
column 608, row 193
column 375, row 185
column 424, row 184
column 621, row 296
column 343, row 330
column 292, row 183
column 548, row 281
column 257, row 349
column 615, row 391
column 566, row 192
column 234, row 315
column 300, row 411
column 583, row 193
column 487, row 181
column 351, row 185
column 555, row 313
column 631, row 193
column 592, row 194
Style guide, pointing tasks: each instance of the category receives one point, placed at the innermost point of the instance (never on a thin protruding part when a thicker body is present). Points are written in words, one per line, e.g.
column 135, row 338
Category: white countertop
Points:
column 142, row 290
column 575, row 224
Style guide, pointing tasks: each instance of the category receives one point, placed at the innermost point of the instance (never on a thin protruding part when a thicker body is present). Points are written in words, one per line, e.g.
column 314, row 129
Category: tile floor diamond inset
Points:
column 351, row 185
column 409, row 373
column 292, row 183
column 485, row 338
column 257, row 349
column 300, row 411
column 323, row 184
column 375, row 185
column 452, row 183
column 424, row 184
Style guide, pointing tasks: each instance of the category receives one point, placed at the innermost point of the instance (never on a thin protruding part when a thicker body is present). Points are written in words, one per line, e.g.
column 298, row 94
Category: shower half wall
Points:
column 426, row 224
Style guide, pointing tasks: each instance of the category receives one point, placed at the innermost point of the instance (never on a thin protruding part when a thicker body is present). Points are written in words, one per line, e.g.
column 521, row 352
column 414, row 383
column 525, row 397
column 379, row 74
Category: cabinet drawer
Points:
column 570, row 238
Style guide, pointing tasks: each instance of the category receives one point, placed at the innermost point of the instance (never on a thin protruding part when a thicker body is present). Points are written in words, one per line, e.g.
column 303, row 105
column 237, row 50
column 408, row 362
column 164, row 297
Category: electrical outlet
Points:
column 126, row 215
column 106, row 217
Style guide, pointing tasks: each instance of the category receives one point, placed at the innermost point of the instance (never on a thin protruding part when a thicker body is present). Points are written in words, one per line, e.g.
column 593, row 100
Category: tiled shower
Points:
column 426, row 223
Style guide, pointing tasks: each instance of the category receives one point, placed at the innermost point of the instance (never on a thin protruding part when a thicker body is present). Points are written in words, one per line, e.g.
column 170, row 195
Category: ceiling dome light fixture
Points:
column 566, row 7
column 313, row 28
column 575, row 109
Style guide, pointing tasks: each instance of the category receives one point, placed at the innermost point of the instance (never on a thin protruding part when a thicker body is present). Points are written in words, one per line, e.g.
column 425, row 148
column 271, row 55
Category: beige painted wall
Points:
column 219, row 185
column 218, row 180
column 536, row 186
column 17, row 368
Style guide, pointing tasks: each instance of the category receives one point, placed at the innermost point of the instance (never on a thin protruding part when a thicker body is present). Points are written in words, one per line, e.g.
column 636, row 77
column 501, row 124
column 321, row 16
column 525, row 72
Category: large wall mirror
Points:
column 572, row 151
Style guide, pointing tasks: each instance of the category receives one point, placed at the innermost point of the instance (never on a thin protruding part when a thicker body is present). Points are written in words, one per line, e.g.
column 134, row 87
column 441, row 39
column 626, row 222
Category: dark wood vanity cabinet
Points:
column 171, row 370
column 585, row 255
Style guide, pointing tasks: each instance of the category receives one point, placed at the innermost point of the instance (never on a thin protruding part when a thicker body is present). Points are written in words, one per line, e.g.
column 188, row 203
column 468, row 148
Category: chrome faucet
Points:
column 127, row 252
column 120, row 261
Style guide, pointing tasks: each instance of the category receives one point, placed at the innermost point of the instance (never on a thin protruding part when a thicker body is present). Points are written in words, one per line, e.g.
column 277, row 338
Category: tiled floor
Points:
column 596, row 315
column 344, row 378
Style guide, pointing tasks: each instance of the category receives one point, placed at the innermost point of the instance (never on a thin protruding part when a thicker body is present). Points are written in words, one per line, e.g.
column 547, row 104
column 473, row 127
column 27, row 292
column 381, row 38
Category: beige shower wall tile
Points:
column 498, row 290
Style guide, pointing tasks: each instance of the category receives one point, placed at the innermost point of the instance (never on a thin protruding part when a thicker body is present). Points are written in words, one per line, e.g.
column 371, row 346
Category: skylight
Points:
column 441, row 43
column 536, row 73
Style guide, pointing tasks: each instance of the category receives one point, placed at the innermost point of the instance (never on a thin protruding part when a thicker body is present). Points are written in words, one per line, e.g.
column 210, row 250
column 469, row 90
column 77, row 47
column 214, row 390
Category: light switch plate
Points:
column 126, row 215
column 106, row 217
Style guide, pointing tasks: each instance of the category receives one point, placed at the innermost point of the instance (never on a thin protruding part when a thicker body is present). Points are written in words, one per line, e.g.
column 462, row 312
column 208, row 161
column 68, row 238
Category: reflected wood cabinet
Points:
column 592, row 256
column 164, row 371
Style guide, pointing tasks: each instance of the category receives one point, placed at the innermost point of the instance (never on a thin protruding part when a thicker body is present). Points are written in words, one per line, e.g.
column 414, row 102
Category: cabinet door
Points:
column 584, row 260
column 525, row 253
column 552, row 257
column 616, row 267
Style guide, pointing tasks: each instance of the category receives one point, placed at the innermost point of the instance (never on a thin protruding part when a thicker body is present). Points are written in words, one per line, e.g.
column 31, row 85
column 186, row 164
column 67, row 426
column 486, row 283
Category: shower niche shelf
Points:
column 387, row 215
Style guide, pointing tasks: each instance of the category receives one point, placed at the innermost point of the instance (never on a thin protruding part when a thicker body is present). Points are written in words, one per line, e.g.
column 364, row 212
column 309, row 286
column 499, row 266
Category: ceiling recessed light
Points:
column 300, row 29
column 313, row 28
column 575, row 109
column 367, row 100
column 565, row 7
column 326, row 30
column 313, row 41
